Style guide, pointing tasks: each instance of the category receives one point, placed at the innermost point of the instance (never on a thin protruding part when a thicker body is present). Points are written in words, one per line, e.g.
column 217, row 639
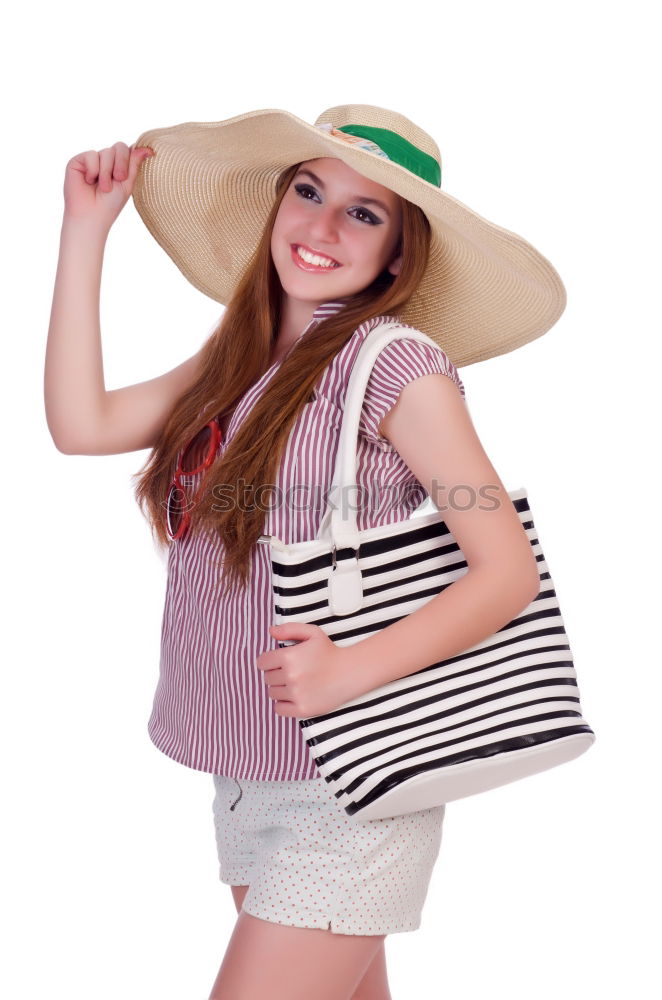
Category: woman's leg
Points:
column 269, row 959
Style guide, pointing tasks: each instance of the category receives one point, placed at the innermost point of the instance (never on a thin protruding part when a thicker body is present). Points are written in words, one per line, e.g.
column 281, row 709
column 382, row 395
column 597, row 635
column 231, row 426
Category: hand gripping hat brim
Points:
column 206, row 195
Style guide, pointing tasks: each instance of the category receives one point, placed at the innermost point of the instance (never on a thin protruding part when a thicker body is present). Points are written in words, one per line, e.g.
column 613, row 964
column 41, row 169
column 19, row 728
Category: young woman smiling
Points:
column 310, row 236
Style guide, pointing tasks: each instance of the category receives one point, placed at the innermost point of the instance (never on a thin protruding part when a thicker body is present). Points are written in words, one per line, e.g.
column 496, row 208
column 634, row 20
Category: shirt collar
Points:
column 328, row 309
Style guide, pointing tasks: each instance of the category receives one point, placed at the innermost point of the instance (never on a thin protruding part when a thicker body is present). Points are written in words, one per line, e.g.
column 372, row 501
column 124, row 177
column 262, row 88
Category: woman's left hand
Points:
column 309, row 678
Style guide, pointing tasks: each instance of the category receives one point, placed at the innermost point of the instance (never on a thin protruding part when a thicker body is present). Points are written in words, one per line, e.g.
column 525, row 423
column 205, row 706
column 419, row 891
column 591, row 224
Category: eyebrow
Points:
column 356, row 197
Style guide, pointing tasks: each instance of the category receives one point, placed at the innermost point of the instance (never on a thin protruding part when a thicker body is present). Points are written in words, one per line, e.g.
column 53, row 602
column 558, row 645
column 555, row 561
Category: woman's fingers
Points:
column 107, row 165
column 88, row 164
column 135, row 157
column 122, row 157
column 106, row 161
column 99, row 182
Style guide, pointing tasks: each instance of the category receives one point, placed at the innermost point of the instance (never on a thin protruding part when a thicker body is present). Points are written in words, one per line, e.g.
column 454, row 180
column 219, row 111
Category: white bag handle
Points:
column 338, row 527
column 339, row 522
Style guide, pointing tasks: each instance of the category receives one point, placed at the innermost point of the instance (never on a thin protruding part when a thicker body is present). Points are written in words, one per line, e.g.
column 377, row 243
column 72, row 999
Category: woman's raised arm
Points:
column 83, row 417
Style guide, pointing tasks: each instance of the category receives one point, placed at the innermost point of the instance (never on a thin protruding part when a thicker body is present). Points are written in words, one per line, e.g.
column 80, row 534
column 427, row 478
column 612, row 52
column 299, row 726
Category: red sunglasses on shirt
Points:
column 197, row 456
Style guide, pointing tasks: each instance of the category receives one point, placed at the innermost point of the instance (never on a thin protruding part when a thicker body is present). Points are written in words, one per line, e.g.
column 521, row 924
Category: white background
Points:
column 546, row 120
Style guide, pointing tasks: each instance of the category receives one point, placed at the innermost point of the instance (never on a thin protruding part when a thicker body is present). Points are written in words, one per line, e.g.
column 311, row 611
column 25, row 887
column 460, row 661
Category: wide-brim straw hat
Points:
column 206, row 195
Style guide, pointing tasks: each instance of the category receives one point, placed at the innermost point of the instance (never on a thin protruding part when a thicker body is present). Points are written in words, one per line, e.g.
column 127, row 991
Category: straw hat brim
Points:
column 206, row 195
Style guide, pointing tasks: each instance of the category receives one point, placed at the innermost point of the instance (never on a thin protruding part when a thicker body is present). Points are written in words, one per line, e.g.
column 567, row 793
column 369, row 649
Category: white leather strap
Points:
column 339, row 522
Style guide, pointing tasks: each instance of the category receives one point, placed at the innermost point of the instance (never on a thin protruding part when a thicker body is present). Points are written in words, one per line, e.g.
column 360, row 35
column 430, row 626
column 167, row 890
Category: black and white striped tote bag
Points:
column 503, row 709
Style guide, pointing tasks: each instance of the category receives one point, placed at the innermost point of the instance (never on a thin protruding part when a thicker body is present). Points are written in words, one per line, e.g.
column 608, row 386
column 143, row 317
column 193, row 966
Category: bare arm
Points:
column 82, row 416
column 73, row 375
column 502, row 576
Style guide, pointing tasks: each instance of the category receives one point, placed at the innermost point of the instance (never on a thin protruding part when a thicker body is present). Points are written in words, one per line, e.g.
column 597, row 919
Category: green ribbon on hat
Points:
column 399, row 150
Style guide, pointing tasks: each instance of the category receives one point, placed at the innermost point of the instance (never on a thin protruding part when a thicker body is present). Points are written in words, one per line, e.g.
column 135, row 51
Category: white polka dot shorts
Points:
column 309, row 865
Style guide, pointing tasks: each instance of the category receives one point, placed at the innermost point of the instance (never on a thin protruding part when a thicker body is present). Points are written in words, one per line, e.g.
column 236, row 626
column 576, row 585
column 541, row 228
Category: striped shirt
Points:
column 211, row 710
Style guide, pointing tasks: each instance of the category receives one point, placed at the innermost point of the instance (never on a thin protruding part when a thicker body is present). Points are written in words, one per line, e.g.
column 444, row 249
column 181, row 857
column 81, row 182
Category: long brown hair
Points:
column 236, row 355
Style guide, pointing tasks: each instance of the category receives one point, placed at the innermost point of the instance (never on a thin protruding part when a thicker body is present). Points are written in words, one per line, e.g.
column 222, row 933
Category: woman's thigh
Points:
column 267, row 959
column 238, row 894
column 374, row 982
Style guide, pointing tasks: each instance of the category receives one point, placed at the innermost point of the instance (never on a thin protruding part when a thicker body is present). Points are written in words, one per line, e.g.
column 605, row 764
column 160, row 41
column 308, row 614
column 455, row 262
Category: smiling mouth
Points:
column 310, row 261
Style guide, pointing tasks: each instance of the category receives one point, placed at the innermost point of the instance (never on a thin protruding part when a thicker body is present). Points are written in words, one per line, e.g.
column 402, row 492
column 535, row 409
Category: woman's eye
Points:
column 372, row 219
column 303, row 190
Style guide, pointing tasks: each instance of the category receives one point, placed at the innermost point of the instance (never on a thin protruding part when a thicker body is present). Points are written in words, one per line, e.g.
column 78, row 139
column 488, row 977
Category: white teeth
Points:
column 313, row 258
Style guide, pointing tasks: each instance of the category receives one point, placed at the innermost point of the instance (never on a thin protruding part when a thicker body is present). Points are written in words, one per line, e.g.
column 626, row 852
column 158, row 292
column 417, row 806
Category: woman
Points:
column 311, row 236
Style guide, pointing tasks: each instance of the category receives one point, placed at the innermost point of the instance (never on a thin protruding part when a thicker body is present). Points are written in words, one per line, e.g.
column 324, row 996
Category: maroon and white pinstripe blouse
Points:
column 211, row 711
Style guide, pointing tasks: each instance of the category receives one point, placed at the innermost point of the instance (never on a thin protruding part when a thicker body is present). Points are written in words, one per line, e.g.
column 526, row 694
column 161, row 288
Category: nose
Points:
column 323, row 225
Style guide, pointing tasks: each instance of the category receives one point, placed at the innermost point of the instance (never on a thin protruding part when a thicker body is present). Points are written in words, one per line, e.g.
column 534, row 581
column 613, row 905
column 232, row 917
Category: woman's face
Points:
column 332, row 212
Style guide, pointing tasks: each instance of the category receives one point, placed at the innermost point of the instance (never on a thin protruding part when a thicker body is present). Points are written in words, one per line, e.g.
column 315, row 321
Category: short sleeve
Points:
column 398, row 363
